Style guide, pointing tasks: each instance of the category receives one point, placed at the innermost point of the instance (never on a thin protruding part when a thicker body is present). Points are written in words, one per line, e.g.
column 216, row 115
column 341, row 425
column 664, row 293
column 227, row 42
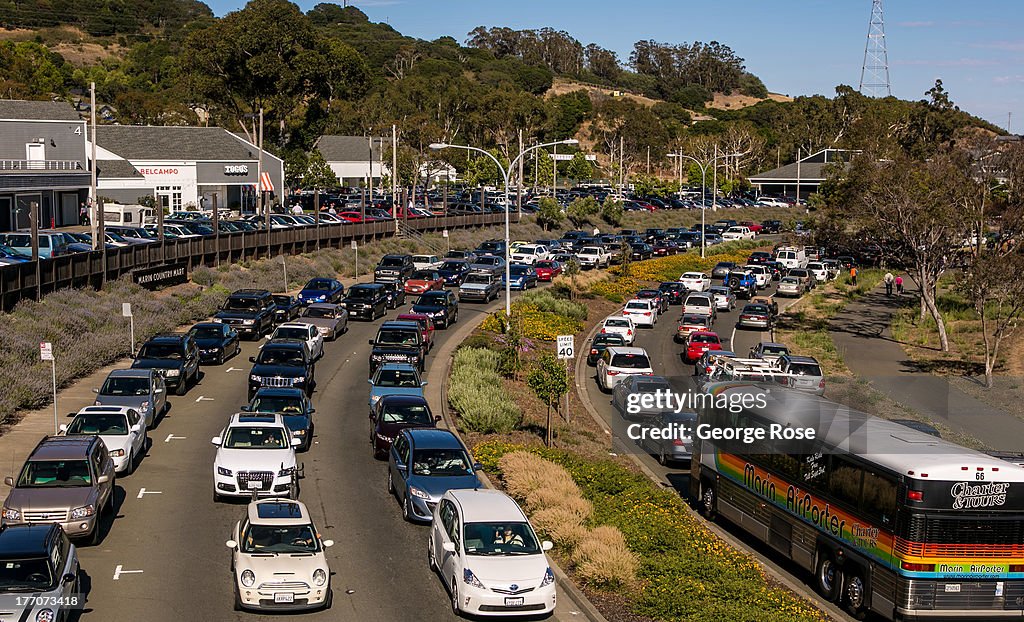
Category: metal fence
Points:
column 34, row 279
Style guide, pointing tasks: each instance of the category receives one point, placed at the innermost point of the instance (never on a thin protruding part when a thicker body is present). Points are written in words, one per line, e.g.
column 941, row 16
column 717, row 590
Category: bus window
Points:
column 844, row 481
column 879, row 500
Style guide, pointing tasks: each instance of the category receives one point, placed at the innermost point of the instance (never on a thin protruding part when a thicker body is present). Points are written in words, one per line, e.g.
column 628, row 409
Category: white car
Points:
column 819, row 270
column 488, row 555
column 530, row 254
column 725, row 298
column 618, row 362
column 772, row 202
column 426, row 262
column 176, row 230
column 122, row 430
column 696, row 281
column 738, row 233
column 593, row 257
column 255, row 455
column 642, row 311
column 761, row 274
column 302, row 332
column 700, row 303
column 278, row 560
column 620, row 325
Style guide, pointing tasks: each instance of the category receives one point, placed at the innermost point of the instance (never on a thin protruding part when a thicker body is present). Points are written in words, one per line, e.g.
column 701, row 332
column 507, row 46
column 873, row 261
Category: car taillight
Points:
column 915, row 495
column 678, row 442
column 603, row 330
column 613, row 373
column 647, row 313
column 593, row 351
column 629, row 332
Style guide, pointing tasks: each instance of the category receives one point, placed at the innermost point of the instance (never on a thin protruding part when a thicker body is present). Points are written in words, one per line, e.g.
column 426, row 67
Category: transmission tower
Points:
column 874, row 74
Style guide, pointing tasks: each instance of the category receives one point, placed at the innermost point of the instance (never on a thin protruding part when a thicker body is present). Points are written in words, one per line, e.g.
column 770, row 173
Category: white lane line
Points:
column 119, row 570
column 171, row 436
column 143, row 491
column 231, row 369
column 203, row 398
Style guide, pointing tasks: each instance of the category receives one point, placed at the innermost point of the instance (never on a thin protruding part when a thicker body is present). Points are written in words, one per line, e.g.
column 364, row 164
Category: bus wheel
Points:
column 708, row 501
column 855, row 595
column 829, row 577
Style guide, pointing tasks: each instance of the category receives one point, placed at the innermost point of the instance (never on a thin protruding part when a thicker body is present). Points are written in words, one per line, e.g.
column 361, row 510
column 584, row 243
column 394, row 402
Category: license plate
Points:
column 514, row 602
column 950, row 587
column 254, row 484
column 284, row 597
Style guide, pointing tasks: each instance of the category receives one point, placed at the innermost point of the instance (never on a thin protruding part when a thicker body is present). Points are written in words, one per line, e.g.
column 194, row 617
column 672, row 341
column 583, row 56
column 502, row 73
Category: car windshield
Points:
column 721, row 291
column 693, row 275
column 279, row 539
column 285, row 404
column 405, row 378
column 240, row 304
column 698, row 301
column 804, row 369
column 488, row 261
column 704, row 338
column 360, row 292
column 755, row 309
column 320, row 285
column 207, row 332
column 631, row 361
column 280, row 356
column 392, row 262
column 774, row 350
column 318, row 312
column 25, row 575
column 283, row 301
column 121, row 385
column 291, row 332
column 160, row 351
column 397, row 337
column 423, row 275
column 517, row 270
column 432, row 299
column 500, row 539
column 454, row 266
column 651, row 387
column 439, row 462
column 416, row 414
column 245, row 437
column 478, row 278
column 609, row 339
column 638, row 305
column 109, row 424
column 789, row 280
column 616, row 323
column 545, row 264
column 55, row 474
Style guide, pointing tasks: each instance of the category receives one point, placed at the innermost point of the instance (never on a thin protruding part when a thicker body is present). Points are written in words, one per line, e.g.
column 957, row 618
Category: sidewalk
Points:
column 862, row 337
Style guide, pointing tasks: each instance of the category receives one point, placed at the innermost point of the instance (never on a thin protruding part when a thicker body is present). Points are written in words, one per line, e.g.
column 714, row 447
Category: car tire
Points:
column 407, row 510
column 329, row 602
column 238, row 599
column 94, row 537
column 131, row 463
column 431, row 562
column 662, row 458
column 455, row 599
column 182, row 387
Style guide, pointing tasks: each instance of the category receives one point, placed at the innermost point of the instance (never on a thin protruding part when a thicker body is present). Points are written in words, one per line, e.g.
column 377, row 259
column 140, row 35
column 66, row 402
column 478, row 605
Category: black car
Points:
column 673, row 292
column 453, row 271
column 640, row 251
column 367, row 301
column 286, row 308
column 771, row 226
column 392, row 268
column 398, row 342
column 395, row 294
column 175, row 356
column 394, row 413
column 776, row 268
column 759, row 258
column 217, row 342
column 41, row 572
column 442, row 307
column 655, row 295
column 249, row 311
column 284, row 363
column 602, row 342
column 294, row 407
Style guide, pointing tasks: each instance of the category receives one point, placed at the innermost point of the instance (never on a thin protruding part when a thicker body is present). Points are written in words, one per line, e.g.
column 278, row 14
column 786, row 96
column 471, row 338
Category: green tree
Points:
column 318, row 173
column 581, row 209
column 296, row 163
column 579, row 168
column 612, row 212
column 540, row 170
column 549, row 380
column 549, row 214
column 572, row 270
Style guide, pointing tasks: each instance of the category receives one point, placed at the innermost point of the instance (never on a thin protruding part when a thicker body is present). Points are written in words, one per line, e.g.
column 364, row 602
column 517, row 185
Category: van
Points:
column 791, row 257
column 131, row 215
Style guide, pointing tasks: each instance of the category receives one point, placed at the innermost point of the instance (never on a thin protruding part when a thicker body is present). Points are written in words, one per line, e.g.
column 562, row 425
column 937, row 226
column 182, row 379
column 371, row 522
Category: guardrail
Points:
column 34, row 279
column 41, row 165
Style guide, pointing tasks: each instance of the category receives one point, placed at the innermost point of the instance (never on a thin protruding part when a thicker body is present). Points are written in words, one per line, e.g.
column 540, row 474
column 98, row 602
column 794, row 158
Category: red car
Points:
column 423, row 281
column 664, row 248
column 647, row 206
column 426, row 326
column 353, row 217
column 547, row 269
column 700, row 342
column 753, row 226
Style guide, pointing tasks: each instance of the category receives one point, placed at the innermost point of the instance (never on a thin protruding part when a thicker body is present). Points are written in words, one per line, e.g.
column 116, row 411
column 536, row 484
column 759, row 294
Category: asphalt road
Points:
column 164, row 559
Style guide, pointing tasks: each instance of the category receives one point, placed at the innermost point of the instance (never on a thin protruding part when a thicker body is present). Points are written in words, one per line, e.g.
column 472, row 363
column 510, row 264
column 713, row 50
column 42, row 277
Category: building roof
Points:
column 116, row 169
column 37, row 110
column 149, row 142
column 811, row 168
column 348, row 148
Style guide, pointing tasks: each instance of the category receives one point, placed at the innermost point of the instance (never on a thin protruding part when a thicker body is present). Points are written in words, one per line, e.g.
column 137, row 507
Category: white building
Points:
column 354, row 158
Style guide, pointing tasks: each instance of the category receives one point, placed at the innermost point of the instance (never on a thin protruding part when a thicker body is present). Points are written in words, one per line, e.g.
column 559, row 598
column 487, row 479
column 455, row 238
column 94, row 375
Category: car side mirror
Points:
column 135, row 428
column 9, row 481
column 327, row 543
column 448, row 546
column 369, row 381
column 96, row 391
column 158, row 391
column 68, row 578
column 231, row 544
column 437, row 418
column 546, row 545
column 216, row 440
column 245, row 408
column 63, row 428
column 370, row 341
column 477, row 466
column 401, row 467
column 296, row 442
column 102, row 479
column 423, row 383
column 252, row 359
column 312, row 410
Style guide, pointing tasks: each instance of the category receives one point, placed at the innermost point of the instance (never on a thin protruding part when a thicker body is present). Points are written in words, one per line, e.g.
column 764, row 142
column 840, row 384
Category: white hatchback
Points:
column 489, row 556
column 122, row 430
column 617, row 362
column 620, row 325
column 642, row 311
column 696, row 281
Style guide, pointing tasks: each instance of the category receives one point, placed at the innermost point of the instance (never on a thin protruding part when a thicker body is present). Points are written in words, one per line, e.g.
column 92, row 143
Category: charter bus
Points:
column 886, row 519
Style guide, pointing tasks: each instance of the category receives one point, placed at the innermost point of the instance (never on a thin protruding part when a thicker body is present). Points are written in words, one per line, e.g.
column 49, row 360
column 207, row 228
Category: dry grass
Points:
column 562, row 525
column 603, row 560
column 540, row 483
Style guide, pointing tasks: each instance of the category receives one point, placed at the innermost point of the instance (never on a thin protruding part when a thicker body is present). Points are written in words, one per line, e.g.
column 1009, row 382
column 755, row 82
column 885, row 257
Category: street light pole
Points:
column 505, row 174
column 703, row 185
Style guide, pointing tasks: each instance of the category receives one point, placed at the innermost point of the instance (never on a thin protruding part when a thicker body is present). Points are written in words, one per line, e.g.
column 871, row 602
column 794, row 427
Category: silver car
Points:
column 725, row 298
column 791, row 286
column 330, row 320
column 141, row 389
column 678, row 447
column 39, row 574
column 802, row 373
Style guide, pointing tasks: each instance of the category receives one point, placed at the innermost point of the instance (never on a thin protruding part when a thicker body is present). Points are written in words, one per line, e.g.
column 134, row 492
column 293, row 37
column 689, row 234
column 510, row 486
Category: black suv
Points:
column 368, row 301
column 174, row 356
column 442, row 307
column 249, row 311
column 394, row 268
column 282, row 364
column 398, row 342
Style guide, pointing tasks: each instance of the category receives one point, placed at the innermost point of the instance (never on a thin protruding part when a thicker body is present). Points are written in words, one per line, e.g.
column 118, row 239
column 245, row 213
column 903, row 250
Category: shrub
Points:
column 603, row 560
column 477, row 392
column 561, row 525
column 549, row 302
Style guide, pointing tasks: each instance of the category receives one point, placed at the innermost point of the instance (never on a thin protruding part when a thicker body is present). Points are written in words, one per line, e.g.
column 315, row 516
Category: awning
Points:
column 266, row 185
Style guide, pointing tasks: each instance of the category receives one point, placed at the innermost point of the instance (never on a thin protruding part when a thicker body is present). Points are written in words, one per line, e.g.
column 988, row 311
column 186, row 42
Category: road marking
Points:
column 119, row 570
column 143, row 491
column 171, row 436
column 231, row 369
column 732, row 338
column 203, row 398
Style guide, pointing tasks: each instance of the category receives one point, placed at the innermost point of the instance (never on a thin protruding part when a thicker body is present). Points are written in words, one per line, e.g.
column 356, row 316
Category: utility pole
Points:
column 554, row 176
column 799, row 154
column 260, row 203
column 648, row 160
column 94, row 204
column 519, row 182
column 394, row 168
column 714, row 183
column 622, row 166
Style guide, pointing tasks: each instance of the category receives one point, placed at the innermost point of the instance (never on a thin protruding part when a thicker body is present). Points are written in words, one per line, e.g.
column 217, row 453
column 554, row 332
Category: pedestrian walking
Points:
column 853, row 275
column 83, row 214
column 899, row 285
column 889, row 280
column 297, row 209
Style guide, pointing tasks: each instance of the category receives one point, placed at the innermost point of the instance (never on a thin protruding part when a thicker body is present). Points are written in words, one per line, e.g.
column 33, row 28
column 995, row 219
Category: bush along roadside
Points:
column 544, row 316
column 683, row 571
column 477, row 391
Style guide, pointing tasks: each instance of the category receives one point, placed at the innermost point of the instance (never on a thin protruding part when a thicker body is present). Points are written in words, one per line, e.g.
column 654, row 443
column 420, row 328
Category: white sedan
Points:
column 696, row 281
column 489, row 556
column 643, row 312
column 620, row 325
column 303, row 332
column 122, row 430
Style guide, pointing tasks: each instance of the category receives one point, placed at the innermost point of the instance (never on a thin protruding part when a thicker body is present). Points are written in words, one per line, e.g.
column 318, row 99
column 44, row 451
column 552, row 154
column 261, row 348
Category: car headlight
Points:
column 416, row 492
column 255, row 378
column 116, row 453
column 248, row 322
column 224, row 472
column 172, row 373
column 377, row 357
column 83, row 512
column 298, row 379
column 299, row 432
column 286, row 472
column 383, row 438
column 374, row 399
column 319, row 576
column 11, row 514
column 144, row 407
column 549, row 577
column 470, row 578
column 248, row 578
column 44, row 615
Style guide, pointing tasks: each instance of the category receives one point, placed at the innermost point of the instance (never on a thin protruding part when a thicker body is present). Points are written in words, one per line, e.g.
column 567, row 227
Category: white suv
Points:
column 277, row 558
column 530, row 254
column 255, row 456
column 488, row 555
column 761, row 274
column 618, row 362
column 303, row 332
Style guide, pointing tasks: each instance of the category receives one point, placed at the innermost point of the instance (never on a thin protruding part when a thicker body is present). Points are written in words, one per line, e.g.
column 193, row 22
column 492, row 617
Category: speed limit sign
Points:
column 566, row 346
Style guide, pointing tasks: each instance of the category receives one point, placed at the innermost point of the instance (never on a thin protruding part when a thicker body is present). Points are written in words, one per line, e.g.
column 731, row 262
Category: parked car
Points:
column 755, row 316
column 122, row 429
column 68, row 480
column 424, row 464
column 548, row 269
column 424, row 281
column 255, row 456
column 216, row 342
column 617, row 362
column 479, row 286
column 394, row 413
column 174, row 356
column 277, row 538
column 251, row 312
column 398, row 342
column 771, row 226
column 695, row 281
column 480, row 539
column 366, row 301
column 143, row 390
column 802, row 373
column 621, row 325
column 322, row 290
column 293, row 405
column 286, row 308
column 282, row 364
column 441, row 307
column 329, row 320
column 42, row 573
column 699, row 342
column 600, row 343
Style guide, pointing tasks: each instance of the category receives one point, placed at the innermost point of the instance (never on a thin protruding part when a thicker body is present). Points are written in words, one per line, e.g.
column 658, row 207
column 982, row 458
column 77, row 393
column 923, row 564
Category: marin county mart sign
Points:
column 565, row 346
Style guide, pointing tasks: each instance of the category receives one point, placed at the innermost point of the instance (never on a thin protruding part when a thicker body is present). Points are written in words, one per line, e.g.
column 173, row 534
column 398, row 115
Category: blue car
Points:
column 293, row 405
column 9, row 256
column 321, row 290
column 453, row 271
column 522, row 277
column 425, row 463
column 395, row 379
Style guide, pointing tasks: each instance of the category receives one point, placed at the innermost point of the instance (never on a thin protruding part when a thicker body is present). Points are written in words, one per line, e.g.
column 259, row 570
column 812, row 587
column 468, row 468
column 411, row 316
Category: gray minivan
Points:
column 141, row 389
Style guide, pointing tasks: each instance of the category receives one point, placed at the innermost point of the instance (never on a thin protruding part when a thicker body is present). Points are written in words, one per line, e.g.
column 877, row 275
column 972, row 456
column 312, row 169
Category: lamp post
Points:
column 703, row 186
column 505, row 174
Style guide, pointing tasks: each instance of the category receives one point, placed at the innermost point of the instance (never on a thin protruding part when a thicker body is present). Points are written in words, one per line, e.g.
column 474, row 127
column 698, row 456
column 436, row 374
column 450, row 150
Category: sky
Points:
column 797, row 47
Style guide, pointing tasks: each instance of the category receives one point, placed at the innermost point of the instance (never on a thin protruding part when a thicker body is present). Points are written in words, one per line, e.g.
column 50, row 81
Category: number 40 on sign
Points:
column 566, row 347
